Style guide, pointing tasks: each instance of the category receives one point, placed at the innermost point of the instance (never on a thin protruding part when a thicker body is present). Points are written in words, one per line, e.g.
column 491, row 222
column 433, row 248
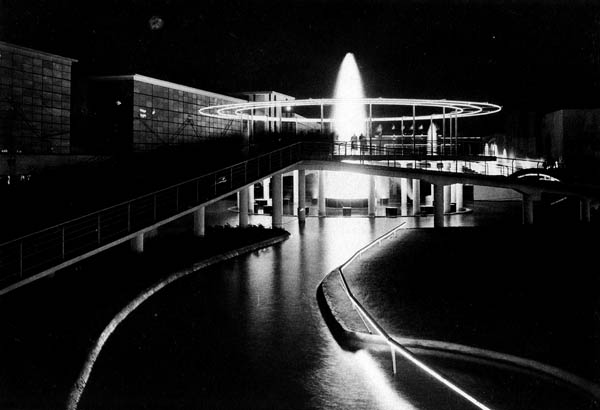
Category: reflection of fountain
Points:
column 349, row 117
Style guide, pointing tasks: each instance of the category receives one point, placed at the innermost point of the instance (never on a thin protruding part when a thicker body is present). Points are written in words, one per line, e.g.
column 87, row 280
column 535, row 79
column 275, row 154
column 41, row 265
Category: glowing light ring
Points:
column 454, row 109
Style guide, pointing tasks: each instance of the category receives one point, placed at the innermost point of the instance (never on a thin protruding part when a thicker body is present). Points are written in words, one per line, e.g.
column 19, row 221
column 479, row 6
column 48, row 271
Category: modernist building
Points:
column 35, row 101
column 135, row 113
column 573, row 137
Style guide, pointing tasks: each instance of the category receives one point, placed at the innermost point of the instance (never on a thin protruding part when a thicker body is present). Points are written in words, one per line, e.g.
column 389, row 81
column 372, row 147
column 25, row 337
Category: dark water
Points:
column 242, row 334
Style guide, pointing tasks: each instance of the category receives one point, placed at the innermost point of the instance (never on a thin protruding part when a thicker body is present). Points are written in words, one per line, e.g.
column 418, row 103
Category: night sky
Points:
column 530, row 55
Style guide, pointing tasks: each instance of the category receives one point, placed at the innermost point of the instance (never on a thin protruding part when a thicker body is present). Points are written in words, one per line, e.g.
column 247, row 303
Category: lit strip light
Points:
column 405, row 353
column 454, row 109
column 394, row 345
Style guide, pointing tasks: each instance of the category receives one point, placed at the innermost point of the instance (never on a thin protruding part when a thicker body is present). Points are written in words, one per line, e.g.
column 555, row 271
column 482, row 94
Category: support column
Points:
column 137, row 243
column 432, row 195
column 243, row 207
column 527, row 209
column 585, row 215
column 322, row 210
column 447, row 193
column 416, row 196
column 371, row 196
column 453, row 193
column 301, row 195
column 296, row 193
column 403, row 196
column 251, row 198
column 277, row 180
column 438, row 206
column 266, row 187
column 199, row 218
column 459, row 197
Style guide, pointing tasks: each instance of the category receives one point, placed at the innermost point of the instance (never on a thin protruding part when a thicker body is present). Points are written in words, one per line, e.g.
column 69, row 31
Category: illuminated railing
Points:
column 395, row 347
column 35, row 253
column 32, row 254
column 464, row 157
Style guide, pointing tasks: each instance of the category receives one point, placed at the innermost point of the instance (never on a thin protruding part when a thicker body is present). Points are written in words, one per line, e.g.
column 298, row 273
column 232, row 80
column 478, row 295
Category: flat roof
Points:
column 35, row 52
column 162, row 83
column 265, row 92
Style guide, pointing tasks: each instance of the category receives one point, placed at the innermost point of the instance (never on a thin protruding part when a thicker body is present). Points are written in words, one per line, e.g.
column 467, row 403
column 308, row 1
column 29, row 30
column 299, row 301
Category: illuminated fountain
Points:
column 349, row 116
column 432, row 138
column 349, row 119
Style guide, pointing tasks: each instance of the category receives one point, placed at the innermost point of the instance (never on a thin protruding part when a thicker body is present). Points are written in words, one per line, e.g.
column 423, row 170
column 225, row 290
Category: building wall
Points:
column 553, row 134
column 155, row 113
column 166, row 115
column 574, row 136
column 35, row 101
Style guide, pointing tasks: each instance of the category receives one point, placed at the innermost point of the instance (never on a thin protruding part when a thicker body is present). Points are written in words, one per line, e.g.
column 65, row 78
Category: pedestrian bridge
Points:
column 41, row 253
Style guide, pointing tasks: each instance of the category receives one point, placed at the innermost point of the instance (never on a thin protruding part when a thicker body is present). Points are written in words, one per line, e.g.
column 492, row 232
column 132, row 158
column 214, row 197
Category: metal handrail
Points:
column 64, row 241
column 26, row 256
column 394, row 345
column 148, row 195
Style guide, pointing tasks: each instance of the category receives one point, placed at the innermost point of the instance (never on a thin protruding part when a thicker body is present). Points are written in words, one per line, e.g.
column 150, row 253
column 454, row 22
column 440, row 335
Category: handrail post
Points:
column 177, row 198
column 99, row 229
column 21, row 259
column 154, row 207
column 129, row 217
column 62, row 242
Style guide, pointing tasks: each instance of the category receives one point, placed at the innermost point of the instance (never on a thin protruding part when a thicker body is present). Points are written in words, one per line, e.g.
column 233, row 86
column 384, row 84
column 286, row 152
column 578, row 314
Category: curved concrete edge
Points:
column 354, row 340
column 80, row 383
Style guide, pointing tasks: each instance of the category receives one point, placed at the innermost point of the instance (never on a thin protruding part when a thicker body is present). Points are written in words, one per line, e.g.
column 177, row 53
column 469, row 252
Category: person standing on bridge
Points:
column 361, row 143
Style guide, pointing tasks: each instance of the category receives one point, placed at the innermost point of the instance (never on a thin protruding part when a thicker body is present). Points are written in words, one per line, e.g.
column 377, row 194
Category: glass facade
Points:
column 149, row 113
column 35, row 101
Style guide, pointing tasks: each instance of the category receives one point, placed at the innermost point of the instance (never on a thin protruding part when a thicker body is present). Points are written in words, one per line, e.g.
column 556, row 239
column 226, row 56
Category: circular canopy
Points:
column 438, row 109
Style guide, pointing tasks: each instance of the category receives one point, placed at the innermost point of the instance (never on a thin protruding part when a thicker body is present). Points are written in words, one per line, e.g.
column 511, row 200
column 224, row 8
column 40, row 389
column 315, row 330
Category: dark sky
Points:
column 528, row 54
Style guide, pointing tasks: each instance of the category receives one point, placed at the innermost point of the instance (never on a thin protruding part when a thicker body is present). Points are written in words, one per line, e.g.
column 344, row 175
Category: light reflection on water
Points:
column 248, row 333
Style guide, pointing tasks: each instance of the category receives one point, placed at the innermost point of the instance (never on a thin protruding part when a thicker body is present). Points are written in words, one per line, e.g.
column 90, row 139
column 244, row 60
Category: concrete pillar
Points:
column 322, row 210
column 459, row 197
column 403, row 196
column 371, row 196
column 453, row 193
column 430, row 196
column 447, row 194
column 137, row 243
column 527, row 209
column 243, row 207
column 438, row 206
column 295, row 199
column 251, row 198
column 266, row 187
column 277, row 180
column 585, row 214
column 301, row 195
column 416, row 184
column 199, row 217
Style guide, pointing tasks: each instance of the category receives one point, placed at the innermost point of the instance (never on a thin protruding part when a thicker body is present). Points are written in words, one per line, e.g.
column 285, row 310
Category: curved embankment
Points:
column 84, row 375
column 352, row 333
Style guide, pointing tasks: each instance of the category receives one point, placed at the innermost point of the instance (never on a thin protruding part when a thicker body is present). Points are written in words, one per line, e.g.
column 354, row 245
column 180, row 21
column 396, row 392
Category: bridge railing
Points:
column 395, row 347
column 28, row 255
column 462, row 159
column 34, row 253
